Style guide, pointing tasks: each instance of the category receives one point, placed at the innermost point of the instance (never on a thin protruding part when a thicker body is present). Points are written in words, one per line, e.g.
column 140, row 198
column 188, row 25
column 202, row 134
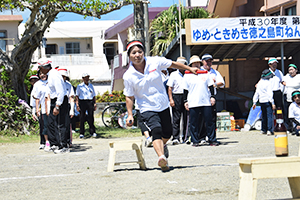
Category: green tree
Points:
column 15, row 67
column 43, row 12
column 164, row 28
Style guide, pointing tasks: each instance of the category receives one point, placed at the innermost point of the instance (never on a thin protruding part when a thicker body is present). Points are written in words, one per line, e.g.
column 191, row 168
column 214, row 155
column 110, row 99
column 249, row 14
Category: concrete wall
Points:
column 11, row 29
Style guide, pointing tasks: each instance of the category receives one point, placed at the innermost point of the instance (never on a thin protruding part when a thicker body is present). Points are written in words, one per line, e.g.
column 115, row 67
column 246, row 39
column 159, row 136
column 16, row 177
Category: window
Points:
column 109, row 51
column 290, row 11
column 51, row 49
column 275, row 14
column 3, row 41
column 72, row 48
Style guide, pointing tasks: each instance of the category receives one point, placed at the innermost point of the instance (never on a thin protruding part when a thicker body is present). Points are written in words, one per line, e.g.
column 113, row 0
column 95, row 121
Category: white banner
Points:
column 244, row 29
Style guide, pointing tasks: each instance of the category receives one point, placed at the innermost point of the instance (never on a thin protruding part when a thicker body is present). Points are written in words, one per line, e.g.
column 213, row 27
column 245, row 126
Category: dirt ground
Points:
column 196, row 172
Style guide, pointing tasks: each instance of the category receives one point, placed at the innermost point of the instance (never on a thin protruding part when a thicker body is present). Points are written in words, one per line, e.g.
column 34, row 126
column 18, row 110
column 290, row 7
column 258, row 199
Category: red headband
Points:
column 134, row 43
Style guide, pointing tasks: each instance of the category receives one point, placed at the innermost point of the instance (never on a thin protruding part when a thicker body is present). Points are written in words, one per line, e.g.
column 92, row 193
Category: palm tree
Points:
column 164, row 28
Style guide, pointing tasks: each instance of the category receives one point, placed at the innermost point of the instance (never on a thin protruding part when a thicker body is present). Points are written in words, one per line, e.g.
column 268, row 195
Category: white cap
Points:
column 43, row 62
column 63, row 72
column 85, row 74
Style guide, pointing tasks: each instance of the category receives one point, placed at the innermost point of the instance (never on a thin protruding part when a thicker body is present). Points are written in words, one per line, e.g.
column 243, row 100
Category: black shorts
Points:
column 140, row 122
column 158, row 120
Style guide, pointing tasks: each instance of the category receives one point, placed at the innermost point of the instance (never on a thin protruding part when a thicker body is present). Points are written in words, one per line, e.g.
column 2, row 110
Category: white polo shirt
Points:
column 148, row 88
column 294, row 112
column 216, row 77
column 292, row 84
column 85, row 92
column 276, row 80
column 69, row 89
column 263, row 92
column 57, row 86
column 175, row 81
column 41, row 92
column 197, row 85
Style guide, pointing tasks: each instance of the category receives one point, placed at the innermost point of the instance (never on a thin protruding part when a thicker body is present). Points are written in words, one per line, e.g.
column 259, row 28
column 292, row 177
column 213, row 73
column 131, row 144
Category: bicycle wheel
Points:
column 110, row 116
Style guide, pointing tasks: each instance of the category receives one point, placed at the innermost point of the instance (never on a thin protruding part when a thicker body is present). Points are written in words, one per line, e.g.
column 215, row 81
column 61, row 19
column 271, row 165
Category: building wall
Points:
column 61, row 44
column 11, row 28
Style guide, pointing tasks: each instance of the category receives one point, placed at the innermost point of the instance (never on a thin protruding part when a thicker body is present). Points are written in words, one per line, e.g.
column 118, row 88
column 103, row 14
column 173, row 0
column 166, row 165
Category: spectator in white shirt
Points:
column 176, row 97
column 294, row 111
column 70, row 94
column 57, row 121
column 291, row 81
column 86, row 102
column 264, row 95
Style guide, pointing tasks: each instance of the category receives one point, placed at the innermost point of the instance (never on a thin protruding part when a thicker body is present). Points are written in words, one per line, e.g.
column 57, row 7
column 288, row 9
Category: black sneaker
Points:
column 214, row 144
column 195, row 145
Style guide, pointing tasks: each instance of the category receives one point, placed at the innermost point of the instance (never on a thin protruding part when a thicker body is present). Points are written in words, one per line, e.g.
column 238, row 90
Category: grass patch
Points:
column 19, row 139
column 103, row 132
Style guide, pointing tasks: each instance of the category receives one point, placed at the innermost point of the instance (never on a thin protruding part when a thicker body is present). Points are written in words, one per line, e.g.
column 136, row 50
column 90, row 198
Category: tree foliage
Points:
column 43, row 12
column 165, row 27
column 17, row 63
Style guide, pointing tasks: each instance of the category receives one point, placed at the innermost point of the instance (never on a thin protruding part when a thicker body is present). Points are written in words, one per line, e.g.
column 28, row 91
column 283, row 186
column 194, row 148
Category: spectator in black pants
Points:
column 58, row 126
column 176, row 97
column 86, row 102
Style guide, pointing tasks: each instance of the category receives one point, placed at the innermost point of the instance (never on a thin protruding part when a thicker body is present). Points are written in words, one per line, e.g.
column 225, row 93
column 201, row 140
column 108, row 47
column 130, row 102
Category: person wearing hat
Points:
column 86, row 102
column 264, row 95
column 218, row 83
column 291, row 81
column 196, row 62
column 40, row 93
column 143, row 82
column 70, row 94
column 176, row 97
column 197, row 90
column 277, row 81
column 32, row 80
column 294, row 111
column 57, row 120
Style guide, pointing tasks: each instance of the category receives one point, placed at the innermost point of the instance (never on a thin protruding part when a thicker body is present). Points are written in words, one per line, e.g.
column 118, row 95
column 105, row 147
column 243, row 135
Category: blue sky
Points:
column 115, row 15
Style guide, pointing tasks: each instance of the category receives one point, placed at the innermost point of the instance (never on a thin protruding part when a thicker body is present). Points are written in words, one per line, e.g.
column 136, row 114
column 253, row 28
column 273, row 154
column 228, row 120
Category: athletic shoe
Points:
column 61, row 151
column 81, row 136
column 269, row 133
column 262, row 132
column 42, row 146
column 50, row 149
column 203, row 142
column 163, row 163
column 95, row 135
column 148, row 142
column 166, row 151
column 188, row 141
column 214, row 144
column 175, row 142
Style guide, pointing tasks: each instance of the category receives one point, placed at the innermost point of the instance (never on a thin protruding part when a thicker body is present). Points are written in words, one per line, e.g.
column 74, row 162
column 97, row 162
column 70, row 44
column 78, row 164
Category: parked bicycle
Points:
column 114, row 115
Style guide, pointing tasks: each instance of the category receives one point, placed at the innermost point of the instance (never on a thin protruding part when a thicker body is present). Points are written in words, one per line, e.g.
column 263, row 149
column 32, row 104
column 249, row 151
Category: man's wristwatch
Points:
column 57, row 107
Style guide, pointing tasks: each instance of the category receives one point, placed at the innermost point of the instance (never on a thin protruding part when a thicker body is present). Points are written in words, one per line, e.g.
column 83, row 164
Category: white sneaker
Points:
column 61, row 151
column 95, row 135
column 42, row 146
column 163, row 163
column 203, row 142
column 148, row 142
column 50, row 149
column 269, row 133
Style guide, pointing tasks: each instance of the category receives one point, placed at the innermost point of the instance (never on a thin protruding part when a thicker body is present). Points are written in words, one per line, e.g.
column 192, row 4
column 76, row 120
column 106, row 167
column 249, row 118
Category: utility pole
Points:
column 180, row 36
column 141, row 23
